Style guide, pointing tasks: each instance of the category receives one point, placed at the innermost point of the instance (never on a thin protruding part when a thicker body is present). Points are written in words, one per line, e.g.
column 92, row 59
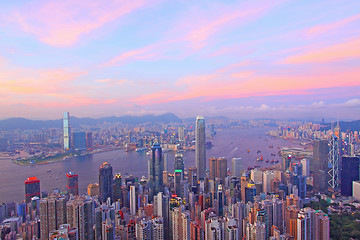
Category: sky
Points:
column 240, row 59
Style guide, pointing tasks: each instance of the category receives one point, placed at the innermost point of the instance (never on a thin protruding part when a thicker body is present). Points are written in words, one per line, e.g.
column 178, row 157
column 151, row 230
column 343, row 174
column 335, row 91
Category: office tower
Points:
column 67, row 130
column 32, row 188
column 334, row 162
column 79, row 140
column 132, row 200
column 278, row 217
column 178, row 173
column 105, row 182
column 305, row 167
column 301, row 185
column 156, row 168
column 79, row 212
column 349, row 173
column 218, row 168
column 220, row 200
column 117, row 186
column 52, row 214
column 268, row 176
column 236, row 167
column 181, row 134
column 162, row 209
column 72, row 183
column 200, row 154
column 320, row 165
column 93, row 189
column 256, row 175
column 89, row 140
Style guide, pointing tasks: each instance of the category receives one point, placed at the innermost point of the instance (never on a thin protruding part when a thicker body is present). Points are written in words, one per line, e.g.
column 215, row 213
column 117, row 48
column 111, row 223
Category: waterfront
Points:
column 227, row 143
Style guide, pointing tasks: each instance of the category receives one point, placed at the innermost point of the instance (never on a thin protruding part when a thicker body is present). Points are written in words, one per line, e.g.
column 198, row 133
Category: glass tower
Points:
column 200, row 155
column 156, row 168
column 66, row 126
column 105, row 182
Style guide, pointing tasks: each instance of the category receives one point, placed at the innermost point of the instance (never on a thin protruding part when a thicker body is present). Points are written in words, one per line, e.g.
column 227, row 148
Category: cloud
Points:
column 323, row 28
column 113, row 82
column 333, row 53
column 63, row 23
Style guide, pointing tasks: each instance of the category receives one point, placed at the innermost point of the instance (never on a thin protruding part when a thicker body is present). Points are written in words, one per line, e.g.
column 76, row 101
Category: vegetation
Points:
column 345, row 226
column 321, row 205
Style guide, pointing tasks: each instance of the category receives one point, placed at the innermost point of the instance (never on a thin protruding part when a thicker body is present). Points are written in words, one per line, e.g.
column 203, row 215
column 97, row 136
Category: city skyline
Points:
column 235, row 58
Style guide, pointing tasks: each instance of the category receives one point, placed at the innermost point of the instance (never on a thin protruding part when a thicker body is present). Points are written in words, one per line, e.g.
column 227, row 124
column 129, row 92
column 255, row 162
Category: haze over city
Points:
column 241, row 59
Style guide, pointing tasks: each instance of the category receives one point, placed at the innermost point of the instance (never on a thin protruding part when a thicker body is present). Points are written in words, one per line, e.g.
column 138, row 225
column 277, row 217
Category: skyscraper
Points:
column 320, row 165
column 200, row 155
column 72, row 183
column 349, row 173
column 132, row 201
column 218, row 168
column 178, row 173
column 236, row 167
column 32, row 188
column 105, row 181
column 66, row 128
column 79, row 140
column 156, row 168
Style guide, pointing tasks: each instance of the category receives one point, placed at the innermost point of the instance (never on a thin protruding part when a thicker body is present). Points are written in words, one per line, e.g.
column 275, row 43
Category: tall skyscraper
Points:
column 67, row 130
column 320, row 165
column 236, row 167
column 72, row 183
column 349, row 173
column 200, row 154
column 32, row 188
column 178, row 173
column 156, row 168
column 132, row 201
column 105, row 181
column 117, row 186
column 89, row 141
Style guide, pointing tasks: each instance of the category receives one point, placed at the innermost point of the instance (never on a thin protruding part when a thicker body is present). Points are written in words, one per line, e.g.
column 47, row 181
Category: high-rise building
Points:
column 305, row 167
column 218, row 168
column 72, row 183
column 79, row 140
column 200, row 154
column 320, row 165
column 105, row 182
column 268, row 176
column 322, row 226
column 334, row 162
column 67, row 130
column 52, row 214
column 156, row 168
column 132, row 200
column 32, row 188
column 89, row 141
column 93, row 189
column 236, row 167
column 79, row 212
column 117, row 186
column 349, row 173
column 178, row 173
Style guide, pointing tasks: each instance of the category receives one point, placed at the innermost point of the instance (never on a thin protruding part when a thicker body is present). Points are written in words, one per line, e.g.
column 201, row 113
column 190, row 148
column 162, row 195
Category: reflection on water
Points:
column 228, row 143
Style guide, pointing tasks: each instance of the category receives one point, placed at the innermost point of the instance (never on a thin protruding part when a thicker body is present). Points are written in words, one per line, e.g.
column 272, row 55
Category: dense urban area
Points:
column 308, row 192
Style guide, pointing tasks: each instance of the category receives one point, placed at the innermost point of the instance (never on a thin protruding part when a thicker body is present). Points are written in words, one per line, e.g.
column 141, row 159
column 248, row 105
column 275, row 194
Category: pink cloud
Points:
column 323, row 28
column 337, row 52
column 62, row 23
column 240, row 84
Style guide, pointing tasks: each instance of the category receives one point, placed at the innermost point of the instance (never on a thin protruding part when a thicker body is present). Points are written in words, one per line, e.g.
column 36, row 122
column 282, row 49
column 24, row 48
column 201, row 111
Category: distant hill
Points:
column 352, row 126
column 23, row 123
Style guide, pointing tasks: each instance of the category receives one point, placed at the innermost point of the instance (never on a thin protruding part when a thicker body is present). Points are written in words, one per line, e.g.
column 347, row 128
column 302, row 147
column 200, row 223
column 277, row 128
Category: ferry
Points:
column 261, row 158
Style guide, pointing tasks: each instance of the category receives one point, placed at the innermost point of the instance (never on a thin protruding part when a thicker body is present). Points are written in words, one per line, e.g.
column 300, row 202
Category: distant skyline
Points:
column 240, row 59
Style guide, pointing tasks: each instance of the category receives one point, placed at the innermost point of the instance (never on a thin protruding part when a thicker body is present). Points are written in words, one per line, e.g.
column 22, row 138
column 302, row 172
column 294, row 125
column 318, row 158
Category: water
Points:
column 228, row 143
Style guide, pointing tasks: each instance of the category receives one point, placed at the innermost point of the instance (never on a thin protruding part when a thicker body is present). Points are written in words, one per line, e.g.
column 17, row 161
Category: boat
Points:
column 248, row 150
column 250, row 168
column 257, row 166
column 267, row 160
column 271, row 146
column 257, row 159
column 272, row 161
column 49, row 170
column 140, row 149
column 277, row 161
column 258, row 151
column 261, row 158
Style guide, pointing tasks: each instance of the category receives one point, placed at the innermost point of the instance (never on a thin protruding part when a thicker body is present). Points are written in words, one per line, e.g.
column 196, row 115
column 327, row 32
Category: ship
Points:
column 277, row 161
column 272, row 161
column 267, row 160
column 271, row 146
column 248, row 150
column 258, row 151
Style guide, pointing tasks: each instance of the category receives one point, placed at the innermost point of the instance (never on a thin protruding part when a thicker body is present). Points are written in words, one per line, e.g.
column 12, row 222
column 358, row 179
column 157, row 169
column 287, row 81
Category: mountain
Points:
column 352, row 126
column 23, row 123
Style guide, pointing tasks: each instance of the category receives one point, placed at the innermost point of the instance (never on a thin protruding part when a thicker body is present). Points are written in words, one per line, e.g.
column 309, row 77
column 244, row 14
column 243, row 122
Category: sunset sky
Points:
column 241, row 59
